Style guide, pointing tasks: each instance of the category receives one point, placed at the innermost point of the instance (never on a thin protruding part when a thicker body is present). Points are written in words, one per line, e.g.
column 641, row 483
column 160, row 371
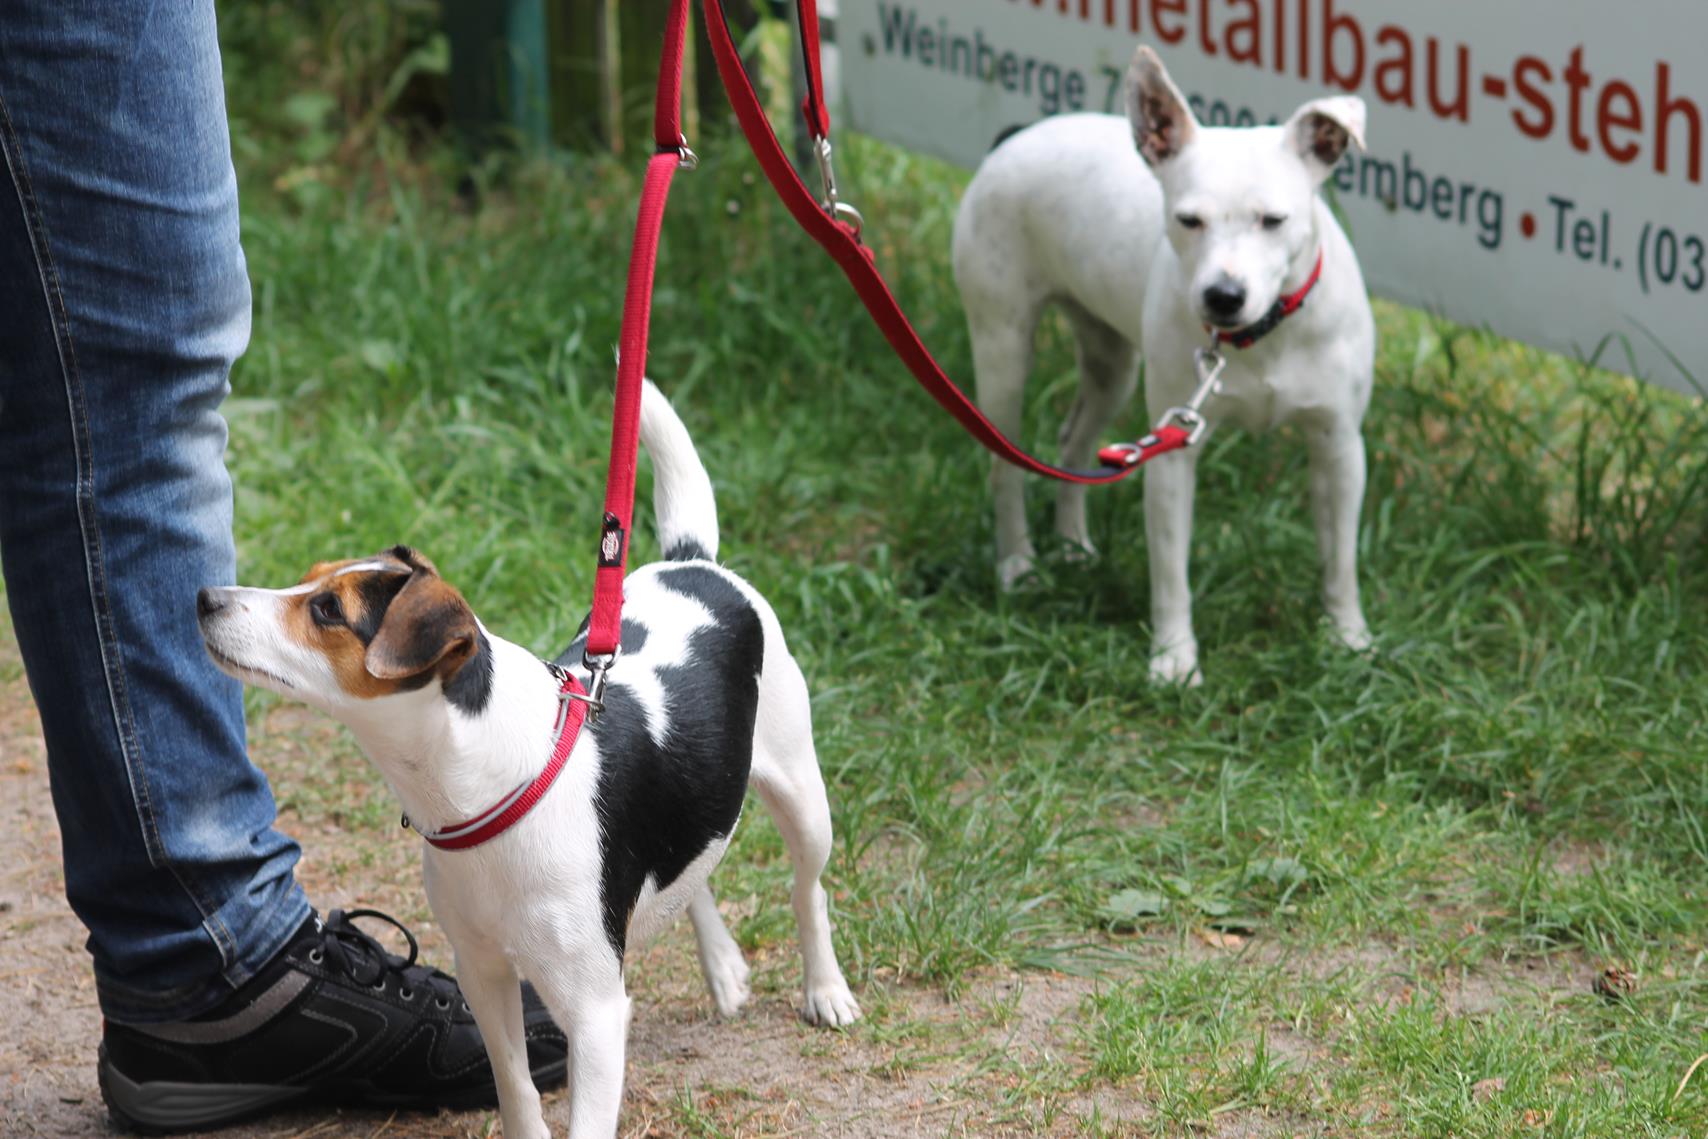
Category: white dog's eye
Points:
column 326, row 610
column 1190, row 221
column 1274, row 221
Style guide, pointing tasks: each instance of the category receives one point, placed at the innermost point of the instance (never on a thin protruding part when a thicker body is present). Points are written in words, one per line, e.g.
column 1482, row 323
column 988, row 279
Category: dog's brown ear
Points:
column 1162, row 122
column 426, row 623
column 1321, row 130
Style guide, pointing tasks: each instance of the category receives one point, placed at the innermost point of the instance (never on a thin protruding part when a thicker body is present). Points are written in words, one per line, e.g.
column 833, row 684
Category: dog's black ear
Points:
column 1162, row 122
column 426, row 624
column 1321, row 130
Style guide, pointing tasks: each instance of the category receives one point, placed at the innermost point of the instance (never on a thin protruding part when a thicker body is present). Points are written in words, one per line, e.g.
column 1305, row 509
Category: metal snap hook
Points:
column 597, row 666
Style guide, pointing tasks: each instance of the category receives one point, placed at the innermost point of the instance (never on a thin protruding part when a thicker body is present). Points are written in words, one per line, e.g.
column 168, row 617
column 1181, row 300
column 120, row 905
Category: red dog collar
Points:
column 502, row 815
column 1284, row 307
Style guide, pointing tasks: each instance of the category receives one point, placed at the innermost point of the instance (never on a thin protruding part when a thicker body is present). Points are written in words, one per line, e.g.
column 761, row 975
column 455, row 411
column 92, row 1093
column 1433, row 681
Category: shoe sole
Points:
column 162, row 1106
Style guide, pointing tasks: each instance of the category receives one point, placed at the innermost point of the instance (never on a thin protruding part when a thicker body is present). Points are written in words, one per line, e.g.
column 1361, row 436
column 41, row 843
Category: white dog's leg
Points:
column 1169, row 485
column 720, row 957
column 803, row 816
column 1108, row 372
column 786, row 776
column 1337, row 495
column 584, row 990
column 494, row 994
column 1002, row 359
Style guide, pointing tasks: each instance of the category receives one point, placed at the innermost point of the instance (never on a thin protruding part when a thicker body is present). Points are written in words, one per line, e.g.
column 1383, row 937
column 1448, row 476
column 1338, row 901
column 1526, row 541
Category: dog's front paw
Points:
column 727, row 980
column 1013, row 570
column 1078, row 551
column 1353, row 633
column 830, row 1006
column 1177, row 664
column 533, row 1129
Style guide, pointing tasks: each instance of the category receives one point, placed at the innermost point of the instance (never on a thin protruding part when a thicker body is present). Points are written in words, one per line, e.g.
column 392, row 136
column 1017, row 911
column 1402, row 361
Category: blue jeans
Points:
column 124, row 300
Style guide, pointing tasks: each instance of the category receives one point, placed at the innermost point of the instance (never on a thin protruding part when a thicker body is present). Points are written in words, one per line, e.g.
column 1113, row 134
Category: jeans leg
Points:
column 124, row 299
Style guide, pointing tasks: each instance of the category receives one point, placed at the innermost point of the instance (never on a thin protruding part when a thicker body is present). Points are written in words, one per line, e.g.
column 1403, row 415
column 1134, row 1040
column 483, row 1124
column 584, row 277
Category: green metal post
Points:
column 500, row 92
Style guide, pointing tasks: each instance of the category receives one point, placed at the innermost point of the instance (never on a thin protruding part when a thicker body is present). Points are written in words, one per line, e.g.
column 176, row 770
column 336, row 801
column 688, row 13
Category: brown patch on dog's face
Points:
column 385, row 624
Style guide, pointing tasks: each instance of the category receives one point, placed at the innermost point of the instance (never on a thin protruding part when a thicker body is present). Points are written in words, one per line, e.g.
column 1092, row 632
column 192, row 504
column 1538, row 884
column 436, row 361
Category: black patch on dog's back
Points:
column 687, row 550
column 634, row 636
column 661, row 807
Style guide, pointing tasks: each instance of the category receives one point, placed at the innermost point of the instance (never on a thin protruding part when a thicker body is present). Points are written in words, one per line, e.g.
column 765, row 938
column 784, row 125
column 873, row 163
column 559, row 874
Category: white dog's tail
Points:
column 681, row 489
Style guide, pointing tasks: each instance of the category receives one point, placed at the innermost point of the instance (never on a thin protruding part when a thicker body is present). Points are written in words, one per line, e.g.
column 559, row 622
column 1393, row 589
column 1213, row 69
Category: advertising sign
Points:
column 1535, row 167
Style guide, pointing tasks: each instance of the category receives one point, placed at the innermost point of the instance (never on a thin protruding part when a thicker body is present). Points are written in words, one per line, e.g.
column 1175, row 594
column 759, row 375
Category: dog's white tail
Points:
column 681, row 489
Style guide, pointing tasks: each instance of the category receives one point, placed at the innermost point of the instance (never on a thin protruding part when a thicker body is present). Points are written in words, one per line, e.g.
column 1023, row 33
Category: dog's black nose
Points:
column 1225, row 298
column 207, row 603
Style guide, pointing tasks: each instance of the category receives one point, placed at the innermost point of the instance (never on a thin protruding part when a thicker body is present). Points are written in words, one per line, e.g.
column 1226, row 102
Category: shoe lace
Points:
column 364, row 960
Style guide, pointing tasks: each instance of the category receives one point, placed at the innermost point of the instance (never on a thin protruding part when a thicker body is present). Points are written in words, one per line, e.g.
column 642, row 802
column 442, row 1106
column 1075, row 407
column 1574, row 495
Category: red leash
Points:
column 605, row 625
column 842, row 241
column 836, row 227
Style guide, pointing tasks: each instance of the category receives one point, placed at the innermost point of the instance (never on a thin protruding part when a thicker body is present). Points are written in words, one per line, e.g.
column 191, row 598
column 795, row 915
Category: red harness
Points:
column 502, row 815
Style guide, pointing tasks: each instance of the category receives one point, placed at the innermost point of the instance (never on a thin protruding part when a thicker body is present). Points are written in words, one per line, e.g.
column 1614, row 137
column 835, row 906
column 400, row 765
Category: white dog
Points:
column 1153, row 232
column 704, row 697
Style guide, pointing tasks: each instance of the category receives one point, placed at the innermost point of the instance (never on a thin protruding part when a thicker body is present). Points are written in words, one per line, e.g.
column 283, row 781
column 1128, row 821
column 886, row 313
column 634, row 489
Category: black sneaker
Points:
column 332, row 1019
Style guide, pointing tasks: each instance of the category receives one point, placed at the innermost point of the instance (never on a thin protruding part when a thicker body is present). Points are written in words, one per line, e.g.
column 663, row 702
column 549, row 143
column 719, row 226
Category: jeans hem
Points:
column 275, row 926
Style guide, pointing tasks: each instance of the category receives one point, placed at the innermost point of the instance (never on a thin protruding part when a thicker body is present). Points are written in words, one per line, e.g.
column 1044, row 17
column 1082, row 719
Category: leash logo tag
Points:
column 612, row 542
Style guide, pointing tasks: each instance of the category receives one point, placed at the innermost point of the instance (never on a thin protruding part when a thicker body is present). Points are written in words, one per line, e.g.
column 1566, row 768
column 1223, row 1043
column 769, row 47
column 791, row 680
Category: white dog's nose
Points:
column 1225, row 298
column 208, row 602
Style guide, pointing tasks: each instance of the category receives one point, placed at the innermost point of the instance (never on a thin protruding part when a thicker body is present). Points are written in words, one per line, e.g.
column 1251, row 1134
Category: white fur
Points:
column 1070, row 212
column 682, row 499
column 527, row 904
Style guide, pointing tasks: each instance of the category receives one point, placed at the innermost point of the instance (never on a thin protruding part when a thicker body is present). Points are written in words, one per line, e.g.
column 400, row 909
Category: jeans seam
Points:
column 112, row 663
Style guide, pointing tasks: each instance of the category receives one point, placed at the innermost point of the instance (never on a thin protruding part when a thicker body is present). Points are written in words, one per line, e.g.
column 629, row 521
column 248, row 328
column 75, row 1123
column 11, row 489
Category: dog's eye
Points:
column 1274, row 221
column 326, row 610
column 1190, row 221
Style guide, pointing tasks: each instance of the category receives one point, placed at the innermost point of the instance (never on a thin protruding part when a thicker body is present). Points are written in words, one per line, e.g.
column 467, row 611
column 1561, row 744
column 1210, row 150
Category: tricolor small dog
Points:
column 546, row 861
column 1155, row 233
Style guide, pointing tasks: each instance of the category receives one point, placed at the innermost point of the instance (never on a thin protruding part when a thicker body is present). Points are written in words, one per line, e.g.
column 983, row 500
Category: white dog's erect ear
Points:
column 1320, row 131
column 1162, row 122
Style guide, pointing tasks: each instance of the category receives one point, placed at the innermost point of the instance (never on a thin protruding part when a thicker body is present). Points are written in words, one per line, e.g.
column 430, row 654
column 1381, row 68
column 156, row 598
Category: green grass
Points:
column 1515, row 775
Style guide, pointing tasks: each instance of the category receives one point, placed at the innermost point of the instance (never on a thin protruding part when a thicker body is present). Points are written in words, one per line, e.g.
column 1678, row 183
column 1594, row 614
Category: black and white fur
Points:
column 704, row 702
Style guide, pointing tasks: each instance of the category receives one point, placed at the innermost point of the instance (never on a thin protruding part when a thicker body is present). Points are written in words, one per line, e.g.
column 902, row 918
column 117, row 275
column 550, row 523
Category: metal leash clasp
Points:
column 832, row 205
column 1208, row 362
column 686, row 159
column 594, row 697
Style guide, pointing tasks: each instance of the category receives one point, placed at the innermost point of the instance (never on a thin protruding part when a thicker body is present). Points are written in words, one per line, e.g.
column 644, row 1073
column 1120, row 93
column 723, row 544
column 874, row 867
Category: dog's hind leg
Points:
column 787, row 778
column 720, row 957
column 1002, row 359
column 1108, row 372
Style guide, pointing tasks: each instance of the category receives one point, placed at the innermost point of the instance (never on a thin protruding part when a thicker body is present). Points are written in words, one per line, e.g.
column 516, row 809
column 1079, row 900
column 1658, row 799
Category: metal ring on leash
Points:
column 842, row 211
column 686, row 159
column 838, row 209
